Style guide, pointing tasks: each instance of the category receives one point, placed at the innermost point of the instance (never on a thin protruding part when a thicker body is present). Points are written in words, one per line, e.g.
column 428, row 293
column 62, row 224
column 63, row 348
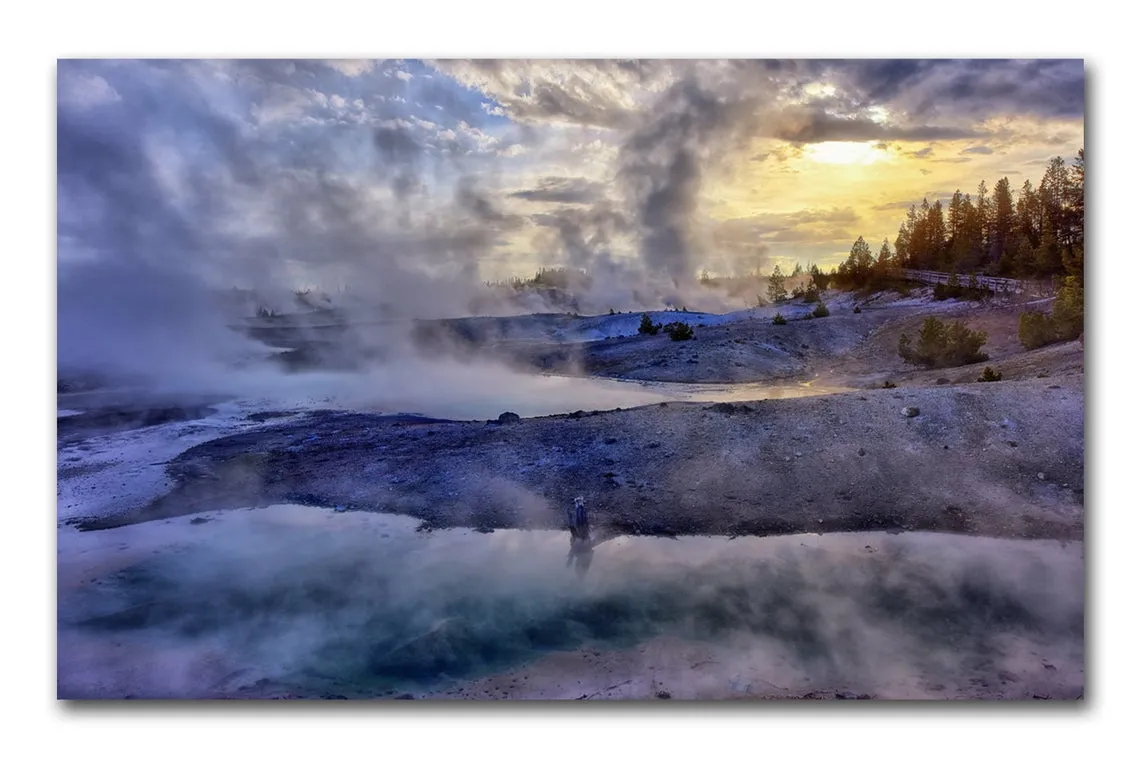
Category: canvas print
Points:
column 633, row 380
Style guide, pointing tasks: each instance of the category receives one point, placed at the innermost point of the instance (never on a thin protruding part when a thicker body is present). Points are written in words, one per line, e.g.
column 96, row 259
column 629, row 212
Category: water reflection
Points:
column 359, row 604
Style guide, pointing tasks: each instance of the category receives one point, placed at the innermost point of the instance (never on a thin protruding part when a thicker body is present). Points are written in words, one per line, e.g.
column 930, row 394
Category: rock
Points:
column 610, row 440
column 910, row 412
column 664, row 695
column 509, row 417
column 862, row 451
column 1041, row 475
column 942, row 381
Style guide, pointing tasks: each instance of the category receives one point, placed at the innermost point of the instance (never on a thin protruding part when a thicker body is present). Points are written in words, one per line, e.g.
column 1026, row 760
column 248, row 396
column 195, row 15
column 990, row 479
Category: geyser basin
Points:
column 306, row 602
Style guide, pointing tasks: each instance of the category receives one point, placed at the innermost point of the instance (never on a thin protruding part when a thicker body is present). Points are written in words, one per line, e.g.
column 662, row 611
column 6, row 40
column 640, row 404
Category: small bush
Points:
column 857, row 309
column 989, row 374
column 779, row 320
column 889, row 385
column 679, row 331
column 943, row 291
column 1069, row 310
column 811, row 293
column 941, row 346
column 1036, row 329
column 647, row 326
column 820, row 311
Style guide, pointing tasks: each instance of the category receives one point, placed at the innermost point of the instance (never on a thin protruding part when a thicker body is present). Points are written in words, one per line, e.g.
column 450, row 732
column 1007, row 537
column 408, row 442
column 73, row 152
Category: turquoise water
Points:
column 362, row 604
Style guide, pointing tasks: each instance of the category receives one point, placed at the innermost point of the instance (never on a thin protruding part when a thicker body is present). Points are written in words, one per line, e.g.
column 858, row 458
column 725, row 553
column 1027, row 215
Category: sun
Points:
column 837, row 152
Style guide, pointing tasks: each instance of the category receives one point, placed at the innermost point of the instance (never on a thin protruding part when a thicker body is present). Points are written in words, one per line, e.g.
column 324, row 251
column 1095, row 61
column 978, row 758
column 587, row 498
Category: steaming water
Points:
column 462, row 394
column 312, row 602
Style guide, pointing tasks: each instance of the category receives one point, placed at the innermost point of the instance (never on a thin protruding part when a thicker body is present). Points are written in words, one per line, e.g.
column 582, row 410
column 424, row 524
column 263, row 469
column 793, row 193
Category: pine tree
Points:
column 886, row 259
column 776, row 290
column 936, row 235
column 983, row 206
column 1048, row 256
column 1002, row 225
column 1029, row 214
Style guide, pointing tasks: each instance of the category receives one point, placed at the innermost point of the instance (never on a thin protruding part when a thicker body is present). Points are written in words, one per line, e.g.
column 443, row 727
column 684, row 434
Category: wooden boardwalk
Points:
column 988, row 282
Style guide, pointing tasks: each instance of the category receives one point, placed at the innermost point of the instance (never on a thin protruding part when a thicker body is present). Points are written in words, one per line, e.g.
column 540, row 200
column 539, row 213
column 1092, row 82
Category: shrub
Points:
column 1069, row 310
column 1035, row 329
column 779, row 320
column 953, row 290
column 811, row 293
column 776, row 290
column 941, row 346
column 857, row 309
column 647, row 325
column 989, row 374
column 820, row 311
column 679, row 331
column 889, row 385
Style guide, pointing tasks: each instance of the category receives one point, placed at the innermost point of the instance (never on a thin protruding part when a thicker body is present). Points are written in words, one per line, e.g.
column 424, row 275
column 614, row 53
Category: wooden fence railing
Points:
column 988, row 282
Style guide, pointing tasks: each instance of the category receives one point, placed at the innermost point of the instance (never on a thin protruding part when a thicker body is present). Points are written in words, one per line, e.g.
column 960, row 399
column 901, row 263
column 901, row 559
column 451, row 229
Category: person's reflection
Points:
column 582, row 540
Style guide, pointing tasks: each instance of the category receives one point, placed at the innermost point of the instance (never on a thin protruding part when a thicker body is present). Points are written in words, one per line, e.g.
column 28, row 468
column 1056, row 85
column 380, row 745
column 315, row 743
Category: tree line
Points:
column 1036, row 233
column 1030, row 233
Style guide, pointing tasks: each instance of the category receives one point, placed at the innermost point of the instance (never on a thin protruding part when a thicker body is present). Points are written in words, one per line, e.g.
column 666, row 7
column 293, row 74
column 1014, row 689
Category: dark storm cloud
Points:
column 567, row 190
column 879, row 81
column 1050, row 88
column 974, row 88
column 814, row 125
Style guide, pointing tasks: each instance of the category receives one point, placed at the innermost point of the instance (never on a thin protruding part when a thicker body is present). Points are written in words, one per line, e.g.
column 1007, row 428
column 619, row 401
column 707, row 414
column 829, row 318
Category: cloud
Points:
column 351, row 67
column 567, row 190
column 808, row 225
column 810, row 125
column 79, row 90
column 406, row 178
column 592, row 93
column 924, row 88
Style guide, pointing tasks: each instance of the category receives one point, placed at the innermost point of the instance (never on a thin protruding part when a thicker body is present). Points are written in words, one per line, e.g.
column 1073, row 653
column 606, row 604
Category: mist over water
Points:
column 314, row 601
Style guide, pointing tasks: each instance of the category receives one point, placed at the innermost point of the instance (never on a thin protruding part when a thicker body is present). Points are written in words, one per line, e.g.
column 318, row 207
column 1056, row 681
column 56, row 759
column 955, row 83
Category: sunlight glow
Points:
column 879, row 114
column 836, row 152
column 819, row 90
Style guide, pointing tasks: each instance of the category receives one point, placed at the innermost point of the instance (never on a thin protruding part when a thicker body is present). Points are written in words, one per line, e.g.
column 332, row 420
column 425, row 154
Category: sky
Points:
column 427, row 175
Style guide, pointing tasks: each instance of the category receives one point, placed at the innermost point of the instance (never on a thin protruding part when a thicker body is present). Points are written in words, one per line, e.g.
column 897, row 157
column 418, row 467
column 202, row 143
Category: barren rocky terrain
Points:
column 1002, row 459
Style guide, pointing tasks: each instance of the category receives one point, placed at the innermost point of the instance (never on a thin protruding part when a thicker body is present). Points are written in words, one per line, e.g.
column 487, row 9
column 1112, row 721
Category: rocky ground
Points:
column 1002, row 459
